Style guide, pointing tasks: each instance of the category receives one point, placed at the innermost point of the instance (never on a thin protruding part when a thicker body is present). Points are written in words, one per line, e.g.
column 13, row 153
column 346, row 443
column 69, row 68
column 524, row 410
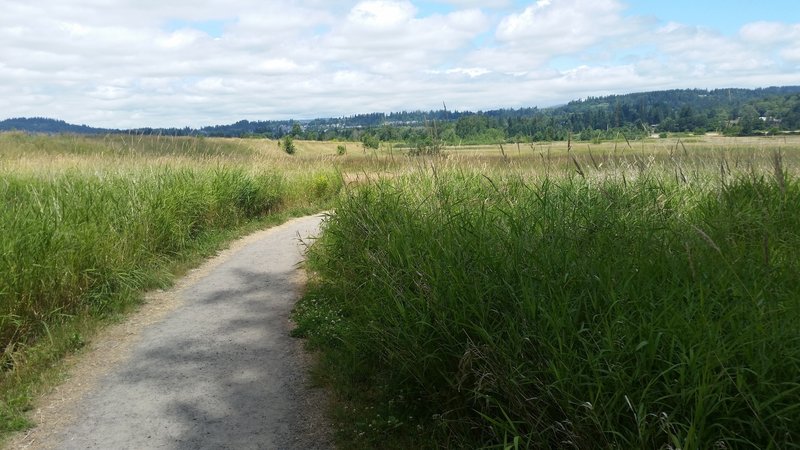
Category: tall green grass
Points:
column 80, row 245
column 69, row 241
column 563, row 313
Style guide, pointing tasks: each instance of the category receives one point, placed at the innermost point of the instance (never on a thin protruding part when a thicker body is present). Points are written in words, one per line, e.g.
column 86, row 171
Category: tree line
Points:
column 727, row 111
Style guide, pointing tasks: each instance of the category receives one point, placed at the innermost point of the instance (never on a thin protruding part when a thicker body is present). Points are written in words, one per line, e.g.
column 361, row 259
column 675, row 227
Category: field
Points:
column 638, row 296
column 615, row 295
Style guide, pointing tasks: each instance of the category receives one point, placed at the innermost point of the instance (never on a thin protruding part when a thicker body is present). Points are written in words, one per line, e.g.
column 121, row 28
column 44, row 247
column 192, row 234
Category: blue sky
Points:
column 179, row 63
column 724, row 16
column 213, row 27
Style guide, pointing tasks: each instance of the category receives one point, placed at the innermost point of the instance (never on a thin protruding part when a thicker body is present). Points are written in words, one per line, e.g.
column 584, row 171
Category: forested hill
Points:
column 44, row 125
column 677, row 98
column 731, row 111
column 683, row 109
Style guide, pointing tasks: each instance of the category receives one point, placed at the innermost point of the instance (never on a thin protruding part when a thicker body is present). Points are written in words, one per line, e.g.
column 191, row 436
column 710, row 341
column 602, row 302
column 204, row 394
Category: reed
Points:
column 618, row 309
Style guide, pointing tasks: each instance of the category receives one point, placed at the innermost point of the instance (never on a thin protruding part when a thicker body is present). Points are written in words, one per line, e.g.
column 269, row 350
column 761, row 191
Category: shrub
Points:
column 288, row 145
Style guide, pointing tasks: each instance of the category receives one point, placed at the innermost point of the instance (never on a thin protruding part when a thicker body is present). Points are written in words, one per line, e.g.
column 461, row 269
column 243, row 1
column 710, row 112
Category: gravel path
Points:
column 208, row 365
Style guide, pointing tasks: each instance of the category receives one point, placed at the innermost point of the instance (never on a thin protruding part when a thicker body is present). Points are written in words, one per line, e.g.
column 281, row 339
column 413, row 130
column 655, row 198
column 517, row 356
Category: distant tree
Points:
column 288, row 145
column 749, row 120
column 297, row 130
column 370, row 141
column 448, row 135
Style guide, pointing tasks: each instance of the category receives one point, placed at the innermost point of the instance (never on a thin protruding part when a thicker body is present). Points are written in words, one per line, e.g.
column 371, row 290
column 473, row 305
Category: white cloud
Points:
column 155, row 63
column 791, row 54
column 109, row 93
column 479, row 3
column 390, row 29
column 277, row 66
column 74, row 29
column 180, row 39
column 565, row 26
column 711, row 51
column 762, row 32
column 773, row 37
column 471, row 72
column 529, row 39
column 381, row 16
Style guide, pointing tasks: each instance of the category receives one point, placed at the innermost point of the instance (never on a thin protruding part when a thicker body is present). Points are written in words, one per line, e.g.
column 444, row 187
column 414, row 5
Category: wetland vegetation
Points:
column 618, row 294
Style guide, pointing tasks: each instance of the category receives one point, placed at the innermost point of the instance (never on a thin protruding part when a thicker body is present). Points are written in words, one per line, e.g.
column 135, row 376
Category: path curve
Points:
column 208, row 364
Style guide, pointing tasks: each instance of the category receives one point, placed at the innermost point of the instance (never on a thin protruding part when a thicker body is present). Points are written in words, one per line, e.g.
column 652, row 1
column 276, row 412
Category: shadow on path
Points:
column 219, row 372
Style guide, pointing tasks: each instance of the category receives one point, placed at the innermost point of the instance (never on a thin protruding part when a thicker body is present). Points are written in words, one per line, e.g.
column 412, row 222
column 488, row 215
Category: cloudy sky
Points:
column 131, row 63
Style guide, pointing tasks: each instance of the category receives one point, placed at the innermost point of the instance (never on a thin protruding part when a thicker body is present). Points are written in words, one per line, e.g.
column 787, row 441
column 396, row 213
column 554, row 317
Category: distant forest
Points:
column 736, row 112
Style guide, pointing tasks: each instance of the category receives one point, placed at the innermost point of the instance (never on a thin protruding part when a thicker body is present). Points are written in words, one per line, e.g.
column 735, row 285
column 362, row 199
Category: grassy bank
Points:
column 655, row 311
column 79, row 243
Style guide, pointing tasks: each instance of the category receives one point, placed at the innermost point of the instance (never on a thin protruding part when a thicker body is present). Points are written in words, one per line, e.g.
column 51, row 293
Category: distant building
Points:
column 770, row 120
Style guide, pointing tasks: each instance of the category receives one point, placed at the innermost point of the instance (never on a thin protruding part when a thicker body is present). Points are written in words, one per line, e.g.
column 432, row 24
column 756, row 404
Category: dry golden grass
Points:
column 55, row 154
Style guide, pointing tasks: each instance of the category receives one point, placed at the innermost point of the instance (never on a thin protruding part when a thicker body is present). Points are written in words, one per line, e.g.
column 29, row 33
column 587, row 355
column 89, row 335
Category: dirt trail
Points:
column 208, row 364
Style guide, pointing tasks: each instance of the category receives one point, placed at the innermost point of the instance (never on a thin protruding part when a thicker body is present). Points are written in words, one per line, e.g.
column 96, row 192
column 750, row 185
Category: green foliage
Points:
column 74, row 240
column 677, row 110
column 315, row 188
column 426, row 146
column 370, row 141
column 429, row 144
column 78, row 247
column 732, row 131
column 565, row 313
column 297, row 130
column 341, row 150
column 287, row 144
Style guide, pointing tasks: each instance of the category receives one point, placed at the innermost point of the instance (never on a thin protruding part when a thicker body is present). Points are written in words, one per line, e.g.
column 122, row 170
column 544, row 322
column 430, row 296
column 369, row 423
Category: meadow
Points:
column 88, row 224
column 548, row 295
column 632, row 295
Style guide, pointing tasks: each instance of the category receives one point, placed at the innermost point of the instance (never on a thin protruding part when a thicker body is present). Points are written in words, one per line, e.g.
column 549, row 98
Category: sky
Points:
column 176, row 63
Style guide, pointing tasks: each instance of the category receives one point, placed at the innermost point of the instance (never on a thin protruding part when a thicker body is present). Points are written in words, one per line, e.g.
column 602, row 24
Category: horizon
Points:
column 309, row 119
column 178, row 64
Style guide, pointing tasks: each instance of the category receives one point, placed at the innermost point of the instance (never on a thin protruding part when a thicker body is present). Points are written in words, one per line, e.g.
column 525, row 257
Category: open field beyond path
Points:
column 208, row 364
